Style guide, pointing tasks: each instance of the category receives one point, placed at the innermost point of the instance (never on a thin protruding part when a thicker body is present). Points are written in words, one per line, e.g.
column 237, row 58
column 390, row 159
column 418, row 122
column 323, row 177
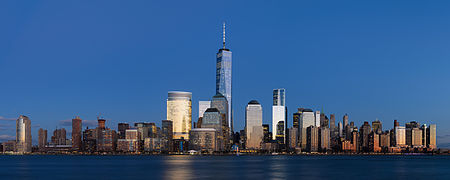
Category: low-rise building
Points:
column 203, row 139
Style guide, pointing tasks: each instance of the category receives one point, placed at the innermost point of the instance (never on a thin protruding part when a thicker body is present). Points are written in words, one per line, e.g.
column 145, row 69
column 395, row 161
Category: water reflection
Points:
column 178, row 167
column 278, row 167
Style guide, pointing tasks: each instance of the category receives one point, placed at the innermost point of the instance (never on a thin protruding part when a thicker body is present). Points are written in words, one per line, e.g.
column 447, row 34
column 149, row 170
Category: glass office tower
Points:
column 179, row 111
column 253, row 125
column 279, row 114
column 223, row 77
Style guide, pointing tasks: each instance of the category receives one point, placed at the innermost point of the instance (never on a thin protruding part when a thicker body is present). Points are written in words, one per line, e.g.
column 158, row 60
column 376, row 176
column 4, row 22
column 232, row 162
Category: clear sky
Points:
column 371, row 59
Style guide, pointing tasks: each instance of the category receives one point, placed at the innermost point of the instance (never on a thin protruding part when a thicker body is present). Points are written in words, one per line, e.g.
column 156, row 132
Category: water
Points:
column 224, row 167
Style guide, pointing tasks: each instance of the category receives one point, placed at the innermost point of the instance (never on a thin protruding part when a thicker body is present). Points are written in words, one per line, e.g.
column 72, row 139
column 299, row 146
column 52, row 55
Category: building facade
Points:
column 253, row 125
column 312, row 142
column 42, row 139
column 23, row 134
column 203, row 140
column 307, row 119
column 179, row 111
column 400, row 133
column 279, row 115
column 166, row 136
column 76, row 133
column 202, row 107
column 59, row 137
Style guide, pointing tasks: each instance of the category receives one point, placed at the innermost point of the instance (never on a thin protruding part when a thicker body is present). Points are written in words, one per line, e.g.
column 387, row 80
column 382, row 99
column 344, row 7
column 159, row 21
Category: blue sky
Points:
column 371, row 59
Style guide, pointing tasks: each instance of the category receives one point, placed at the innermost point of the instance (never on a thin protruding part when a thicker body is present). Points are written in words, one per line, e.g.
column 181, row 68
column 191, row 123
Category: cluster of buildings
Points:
column 213, row 132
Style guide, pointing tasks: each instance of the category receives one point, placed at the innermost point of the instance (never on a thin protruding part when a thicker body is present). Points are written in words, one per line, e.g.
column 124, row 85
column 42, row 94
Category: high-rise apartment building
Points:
column 253, row 125
column 416, row 135
column 179, row 111
column 374, row 142
column 42, row 138
column 324, row 138
column 431, row 136
column 23, row 134
column 59, row 137
column 223, row 77
column 166, row 136
column 424, row 129
column 409, row 127
column 121, row 128
column 385, row 140
column 145, row 129
column 76, row 133
column 400, row 136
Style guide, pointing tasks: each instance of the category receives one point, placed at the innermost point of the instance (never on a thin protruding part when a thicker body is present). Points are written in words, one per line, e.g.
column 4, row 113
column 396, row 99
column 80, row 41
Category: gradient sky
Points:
column 371, row 59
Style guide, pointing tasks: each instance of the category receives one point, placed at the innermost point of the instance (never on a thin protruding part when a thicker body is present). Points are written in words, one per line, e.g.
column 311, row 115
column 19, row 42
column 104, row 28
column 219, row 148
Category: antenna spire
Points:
column 223, row 35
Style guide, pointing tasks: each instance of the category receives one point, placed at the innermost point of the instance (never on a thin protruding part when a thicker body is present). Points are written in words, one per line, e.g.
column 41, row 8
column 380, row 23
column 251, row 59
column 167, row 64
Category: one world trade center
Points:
column 223, row 77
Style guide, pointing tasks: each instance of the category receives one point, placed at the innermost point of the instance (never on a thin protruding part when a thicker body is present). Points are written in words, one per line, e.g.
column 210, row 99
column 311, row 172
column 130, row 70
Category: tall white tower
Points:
column 278, row 113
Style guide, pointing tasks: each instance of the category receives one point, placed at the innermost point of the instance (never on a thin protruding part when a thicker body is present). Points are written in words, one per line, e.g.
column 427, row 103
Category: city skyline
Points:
column 53, row 100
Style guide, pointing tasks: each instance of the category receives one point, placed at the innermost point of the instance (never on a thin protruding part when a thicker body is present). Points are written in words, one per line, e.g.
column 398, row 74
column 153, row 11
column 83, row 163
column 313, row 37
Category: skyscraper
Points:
column 307, row 119
column 377, row 126
column 408, row 132
column 23, row 134
column 416, row 137
column 212, row 118
column 312, row 133
column 121, row 128
column 202, row 106
column 364, row 135
column 76, row 133
column 296, row 117
column 144, row 129
column 431, row 136
column 220, row 102
column 332, row 121
column 253, row 125
column 317, row 119
column 345, row 120
column 42, row 138
column 278, row 114
column 324, row 138
column 59, row 137
column 167, row 134
column 400, row 133
column 266, row 133
column 179, row 111
column 223, row 77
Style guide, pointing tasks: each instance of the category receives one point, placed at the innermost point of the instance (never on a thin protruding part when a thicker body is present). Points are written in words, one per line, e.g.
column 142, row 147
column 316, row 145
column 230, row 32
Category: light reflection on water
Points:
column 178, row 167
column 278, row 167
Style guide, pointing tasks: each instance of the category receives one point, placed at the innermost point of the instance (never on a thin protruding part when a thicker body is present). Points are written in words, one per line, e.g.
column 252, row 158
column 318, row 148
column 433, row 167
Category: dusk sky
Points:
column 371, row 59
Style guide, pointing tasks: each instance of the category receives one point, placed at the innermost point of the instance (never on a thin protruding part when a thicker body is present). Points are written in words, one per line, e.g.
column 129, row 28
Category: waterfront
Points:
column 223, row 167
